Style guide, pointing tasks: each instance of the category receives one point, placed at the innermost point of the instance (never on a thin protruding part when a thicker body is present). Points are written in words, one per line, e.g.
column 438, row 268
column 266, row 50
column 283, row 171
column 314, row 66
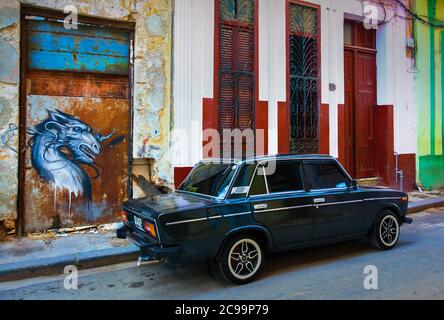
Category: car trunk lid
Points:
column 151, row 207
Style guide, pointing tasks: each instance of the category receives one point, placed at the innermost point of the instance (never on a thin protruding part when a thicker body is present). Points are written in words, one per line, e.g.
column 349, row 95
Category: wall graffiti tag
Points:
column 7, row 136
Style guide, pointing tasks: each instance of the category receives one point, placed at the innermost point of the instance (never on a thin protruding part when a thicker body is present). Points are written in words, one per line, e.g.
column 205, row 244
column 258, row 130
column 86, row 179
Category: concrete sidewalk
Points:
column 40, row 255
column 34, row 256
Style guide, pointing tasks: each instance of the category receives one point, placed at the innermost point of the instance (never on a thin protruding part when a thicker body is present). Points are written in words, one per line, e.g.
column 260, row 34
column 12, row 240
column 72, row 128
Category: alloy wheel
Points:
column 389, row 230
column 244, row 258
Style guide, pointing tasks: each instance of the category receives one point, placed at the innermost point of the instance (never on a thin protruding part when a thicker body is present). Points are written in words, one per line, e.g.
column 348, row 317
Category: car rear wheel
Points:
column 241, row 260
column 386, row 230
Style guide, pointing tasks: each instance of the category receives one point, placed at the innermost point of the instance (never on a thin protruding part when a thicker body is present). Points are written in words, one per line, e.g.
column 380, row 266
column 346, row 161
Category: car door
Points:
column 338, row 208
column 278, row 201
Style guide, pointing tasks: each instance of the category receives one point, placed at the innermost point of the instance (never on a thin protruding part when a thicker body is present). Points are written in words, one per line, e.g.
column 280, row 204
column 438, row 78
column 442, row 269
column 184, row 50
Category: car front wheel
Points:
column 241, row 259
column 385, row 233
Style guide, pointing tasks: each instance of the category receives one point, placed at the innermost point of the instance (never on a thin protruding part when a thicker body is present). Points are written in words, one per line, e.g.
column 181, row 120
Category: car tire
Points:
column 241, row 260
column 386, row 231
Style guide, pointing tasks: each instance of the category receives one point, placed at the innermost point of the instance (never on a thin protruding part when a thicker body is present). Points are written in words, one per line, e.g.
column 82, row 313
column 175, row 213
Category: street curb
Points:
column 55, row 265
column 422, row 205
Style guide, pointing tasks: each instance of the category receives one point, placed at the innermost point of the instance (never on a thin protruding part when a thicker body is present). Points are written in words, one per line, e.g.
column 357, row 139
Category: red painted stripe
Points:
column 324, row 129
column 208, row 110
column 341, row 134
column 261, row 123
column 407, row 163
column 283, row 128
column 180, row 173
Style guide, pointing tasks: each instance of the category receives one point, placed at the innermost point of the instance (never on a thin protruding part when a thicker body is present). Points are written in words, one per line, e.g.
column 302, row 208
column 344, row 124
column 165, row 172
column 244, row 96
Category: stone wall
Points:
column 152, row 82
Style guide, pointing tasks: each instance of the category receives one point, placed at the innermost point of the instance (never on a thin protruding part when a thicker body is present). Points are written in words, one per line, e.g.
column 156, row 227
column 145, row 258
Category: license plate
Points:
column 138, row 222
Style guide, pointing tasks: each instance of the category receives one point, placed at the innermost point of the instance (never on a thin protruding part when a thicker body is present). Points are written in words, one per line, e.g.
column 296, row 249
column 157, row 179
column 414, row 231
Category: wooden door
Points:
column 360, row 101
column 358, row 154
column 365, row 102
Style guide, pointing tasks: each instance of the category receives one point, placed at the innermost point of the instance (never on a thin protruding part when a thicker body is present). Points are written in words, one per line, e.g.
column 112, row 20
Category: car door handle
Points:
column 319, row 200
column 260, row 206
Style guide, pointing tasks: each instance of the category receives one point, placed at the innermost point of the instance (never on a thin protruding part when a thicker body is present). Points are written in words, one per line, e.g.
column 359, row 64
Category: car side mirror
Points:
column 353, row 184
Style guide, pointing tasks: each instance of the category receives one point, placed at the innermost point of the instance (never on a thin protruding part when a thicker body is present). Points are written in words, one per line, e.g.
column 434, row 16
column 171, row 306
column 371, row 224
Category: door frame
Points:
column 25, row 10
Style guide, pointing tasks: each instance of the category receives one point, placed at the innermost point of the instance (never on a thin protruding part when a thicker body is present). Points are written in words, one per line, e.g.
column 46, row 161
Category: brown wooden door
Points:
column 365, row 102
column 360, row 101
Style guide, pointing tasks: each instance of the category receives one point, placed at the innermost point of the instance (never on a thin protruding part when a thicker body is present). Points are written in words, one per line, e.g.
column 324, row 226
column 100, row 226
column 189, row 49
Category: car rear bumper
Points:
column 149, row 250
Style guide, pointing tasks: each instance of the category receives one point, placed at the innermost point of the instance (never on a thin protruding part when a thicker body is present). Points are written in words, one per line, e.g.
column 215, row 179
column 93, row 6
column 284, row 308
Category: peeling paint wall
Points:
column 9, row 100
column 151, row 92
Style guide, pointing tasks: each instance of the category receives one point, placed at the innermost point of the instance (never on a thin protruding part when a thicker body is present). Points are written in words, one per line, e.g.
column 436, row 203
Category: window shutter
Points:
column 236, row 64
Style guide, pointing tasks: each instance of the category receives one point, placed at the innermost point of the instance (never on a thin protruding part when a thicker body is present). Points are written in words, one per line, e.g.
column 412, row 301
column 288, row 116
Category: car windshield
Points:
column 212, row 179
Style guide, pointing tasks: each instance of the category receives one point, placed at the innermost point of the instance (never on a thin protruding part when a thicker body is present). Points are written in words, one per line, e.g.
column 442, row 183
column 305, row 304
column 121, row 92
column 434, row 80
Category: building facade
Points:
column 308, row 74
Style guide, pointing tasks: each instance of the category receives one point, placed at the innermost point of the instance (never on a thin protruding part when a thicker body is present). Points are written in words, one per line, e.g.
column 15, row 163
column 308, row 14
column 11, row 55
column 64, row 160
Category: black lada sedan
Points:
column 232, row 213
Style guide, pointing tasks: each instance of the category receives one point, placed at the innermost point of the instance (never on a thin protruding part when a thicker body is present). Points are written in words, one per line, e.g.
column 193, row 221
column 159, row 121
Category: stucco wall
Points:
column 152, row 82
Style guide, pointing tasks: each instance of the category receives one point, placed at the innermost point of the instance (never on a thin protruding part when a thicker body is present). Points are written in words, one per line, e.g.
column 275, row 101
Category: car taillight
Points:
column 150, row 229
column 123, row 216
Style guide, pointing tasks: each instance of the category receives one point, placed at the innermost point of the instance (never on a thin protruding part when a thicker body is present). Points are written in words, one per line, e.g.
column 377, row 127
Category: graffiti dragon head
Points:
column 68, row 131
column 59, row 144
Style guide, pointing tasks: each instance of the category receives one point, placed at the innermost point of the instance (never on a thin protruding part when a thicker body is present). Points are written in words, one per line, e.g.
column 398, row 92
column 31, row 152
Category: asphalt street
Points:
column 413, row 270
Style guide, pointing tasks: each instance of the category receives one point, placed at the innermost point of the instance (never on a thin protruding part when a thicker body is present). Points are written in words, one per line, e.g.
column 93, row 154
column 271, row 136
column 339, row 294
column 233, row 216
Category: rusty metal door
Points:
column 75, row 123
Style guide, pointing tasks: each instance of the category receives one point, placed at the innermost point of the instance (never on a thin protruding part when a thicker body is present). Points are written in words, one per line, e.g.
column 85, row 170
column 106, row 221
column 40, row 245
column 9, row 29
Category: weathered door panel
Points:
column 60, row 187
column 87, row 49
column 365, row 99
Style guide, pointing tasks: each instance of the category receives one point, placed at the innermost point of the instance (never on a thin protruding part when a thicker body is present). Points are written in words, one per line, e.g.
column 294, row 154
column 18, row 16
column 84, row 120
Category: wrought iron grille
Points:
column 304, row 79
column 236, row 65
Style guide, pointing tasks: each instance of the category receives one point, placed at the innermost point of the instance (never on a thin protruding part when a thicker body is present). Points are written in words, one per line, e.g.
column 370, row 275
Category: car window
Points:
column 324, row 176
column 212, row 179
column 286, row 177
column 258, row 186
column 242, row 183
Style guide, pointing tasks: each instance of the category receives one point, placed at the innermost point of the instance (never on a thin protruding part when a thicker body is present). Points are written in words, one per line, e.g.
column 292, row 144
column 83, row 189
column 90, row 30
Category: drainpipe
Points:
column 399, row 173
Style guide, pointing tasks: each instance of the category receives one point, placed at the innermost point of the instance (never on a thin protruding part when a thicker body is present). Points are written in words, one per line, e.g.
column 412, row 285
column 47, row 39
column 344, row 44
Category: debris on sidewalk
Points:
column 52, row 234
column 7, row 228
column 425, row 195
column 435, row 210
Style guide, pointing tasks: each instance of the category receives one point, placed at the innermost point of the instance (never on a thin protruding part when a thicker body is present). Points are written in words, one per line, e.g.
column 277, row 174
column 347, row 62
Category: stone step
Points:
column 369, row 182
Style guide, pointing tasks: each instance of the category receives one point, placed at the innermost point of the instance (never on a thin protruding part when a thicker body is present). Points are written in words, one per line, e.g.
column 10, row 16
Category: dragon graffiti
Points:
column 60, row 144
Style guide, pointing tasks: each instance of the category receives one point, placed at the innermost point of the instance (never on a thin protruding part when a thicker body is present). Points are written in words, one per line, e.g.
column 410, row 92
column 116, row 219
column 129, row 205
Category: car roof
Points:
column 278, row 157
column 291, row 157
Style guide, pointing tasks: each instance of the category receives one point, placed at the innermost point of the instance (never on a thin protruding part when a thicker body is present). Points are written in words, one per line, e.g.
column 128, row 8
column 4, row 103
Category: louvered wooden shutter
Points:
column 236, row 64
